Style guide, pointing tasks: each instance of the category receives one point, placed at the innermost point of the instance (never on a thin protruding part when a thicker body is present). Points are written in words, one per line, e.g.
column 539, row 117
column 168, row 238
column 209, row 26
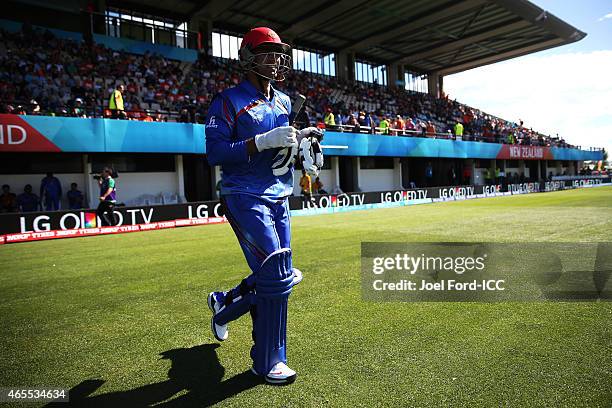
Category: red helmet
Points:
column 271, row 64
column 262, row 35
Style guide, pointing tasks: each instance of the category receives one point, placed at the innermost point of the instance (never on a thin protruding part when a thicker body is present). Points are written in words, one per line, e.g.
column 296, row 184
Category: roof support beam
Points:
column 322, row 14
column 416, row 25
column 542, row 18
column 210, row 9
column 472, row 39
column 145, row 9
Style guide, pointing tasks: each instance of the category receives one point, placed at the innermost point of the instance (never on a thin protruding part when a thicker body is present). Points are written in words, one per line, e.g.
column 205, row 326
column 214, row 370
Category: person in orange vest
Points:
column 430, row 130
column 306, row 185
column 398, row 125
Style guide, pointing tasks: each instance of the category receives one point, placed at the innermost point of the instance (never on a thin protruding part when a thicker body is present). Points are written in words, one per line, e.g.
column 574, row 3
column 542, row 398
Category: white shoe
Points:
column 219, row 331
column 279, row 374
column 297, row 276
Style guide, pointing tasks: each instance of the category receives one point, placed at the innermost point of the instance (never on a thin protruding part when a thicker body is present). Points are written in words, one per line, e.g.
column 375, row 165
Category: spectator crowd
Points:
column 44, row 75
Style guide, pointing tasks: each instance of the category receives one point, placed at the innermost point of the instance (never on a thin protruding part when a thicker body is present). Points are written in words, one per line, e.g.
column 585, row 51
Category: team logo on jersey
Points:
column 211, row 122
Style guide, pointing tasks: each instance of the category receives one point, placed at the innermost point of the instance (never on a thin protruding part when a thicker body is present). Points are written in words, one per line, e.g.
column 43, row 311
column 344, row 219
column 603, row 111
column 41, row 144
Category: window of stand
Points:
column 416, row 82
column 373, row 74
column 143, row 27
column 225, row 45
column 314, row 61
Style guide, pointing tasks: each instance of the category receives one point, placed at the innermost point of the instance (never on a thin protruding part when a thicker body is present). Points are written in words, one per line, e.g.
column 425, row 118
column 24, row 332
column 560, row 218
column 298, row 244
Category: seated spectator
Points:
column 410, row 127
column 355, row 124
column 342, row 118
column 6, row 108
column 184, row 116
column 159, row 117
column 75, row 197
column 398, row 125
column 8, row 200
column 430, row 130
column 423, row 127
column 78, row 110
column 28, row 201
column 149, row 96
column 34, row 108
column 317, row 187
column 374, row 122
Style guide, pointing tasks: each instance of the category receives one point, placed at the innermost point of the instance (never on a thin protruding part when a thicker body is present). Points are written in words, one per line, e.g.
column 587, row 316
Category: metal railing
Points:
column 91, row 112
column 175, row 115
column 390, row 131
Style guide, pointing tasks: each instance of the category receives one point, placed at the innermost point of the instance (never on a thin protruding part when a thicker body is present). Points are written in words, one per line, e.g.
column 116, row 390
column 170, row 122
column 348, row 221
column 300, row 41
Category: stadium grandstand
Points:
column 372, row 73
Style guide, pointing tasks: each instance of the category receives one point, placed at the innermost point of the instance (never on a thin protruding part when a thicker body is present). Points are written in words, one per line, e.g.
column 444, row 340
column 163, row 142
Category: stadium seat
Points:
column 170, row 198
column 150, row 199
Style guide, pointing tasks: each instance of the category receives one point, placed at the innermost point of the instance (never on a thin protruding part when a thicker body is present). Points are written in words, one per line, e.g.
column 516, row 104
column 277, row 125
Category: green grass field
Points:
column 123, row 321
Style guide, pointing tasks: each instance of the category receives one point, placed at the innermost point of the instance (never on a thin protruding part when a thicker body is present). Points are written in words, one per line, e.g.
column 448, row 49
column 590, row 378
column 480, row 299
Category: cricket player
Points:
column 249, row 135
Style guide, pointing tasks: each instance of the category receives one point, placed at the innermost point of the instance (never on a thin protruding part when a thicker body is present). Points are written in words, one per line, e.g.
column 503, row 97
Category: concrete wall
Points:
column 377, row 180
column 131, row 186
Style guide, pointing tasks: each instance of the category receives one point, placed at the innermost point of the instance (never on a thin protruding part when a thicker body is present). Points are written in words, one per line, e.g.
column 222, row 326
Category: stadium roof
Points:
column 426, row 35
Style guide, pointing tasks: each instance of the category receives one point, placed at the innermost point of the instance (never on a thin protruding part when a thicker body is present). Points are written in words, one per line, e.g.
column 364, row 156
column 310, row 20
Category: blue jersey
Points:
column 238, row 114
column 51, row 186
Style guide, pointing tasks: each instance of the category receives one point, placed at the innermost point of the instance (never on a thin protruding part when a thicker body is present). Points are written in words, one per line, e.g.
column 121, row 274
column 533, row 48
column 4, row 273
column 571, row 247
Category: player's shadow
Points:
column 195, row 373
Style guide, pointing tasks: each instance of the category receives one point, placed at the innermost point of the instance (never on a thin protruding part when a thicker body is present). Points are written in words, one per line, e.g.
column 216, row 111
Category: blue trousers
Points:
column 52, row 202
column 261, row 227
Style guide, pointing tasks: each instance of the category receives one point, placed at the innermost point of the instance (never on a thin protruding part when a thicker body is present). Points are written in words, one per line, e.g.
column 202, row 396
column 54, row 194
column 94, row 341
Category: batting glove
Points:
column 284, row 136
column 309, row 131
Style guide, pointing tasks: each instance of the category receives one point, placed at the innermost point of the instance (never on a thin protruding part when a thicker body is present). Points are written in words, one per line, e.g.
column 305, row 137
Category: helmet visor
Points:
column 271, row 65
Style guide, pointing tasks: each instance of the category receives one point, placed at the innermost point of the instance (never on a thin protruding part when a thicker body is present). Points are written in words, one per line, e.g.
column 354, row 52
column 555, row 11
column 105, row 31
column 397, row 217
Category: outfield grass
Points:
column 123, row 320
